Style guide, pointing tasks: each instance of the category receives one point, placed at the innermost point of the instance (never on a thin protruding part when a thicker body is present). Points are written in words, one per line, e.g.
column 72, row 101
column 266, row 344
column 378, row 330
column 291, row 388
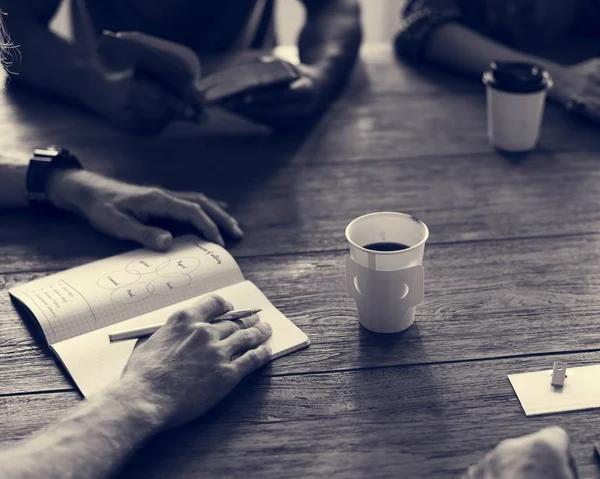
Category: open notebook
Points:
column 79, row 307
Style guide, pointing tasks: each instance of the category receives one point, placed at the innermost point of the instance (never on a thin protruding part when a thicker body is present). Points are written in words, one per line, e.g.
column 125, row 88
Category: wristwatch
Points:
column 43, row 162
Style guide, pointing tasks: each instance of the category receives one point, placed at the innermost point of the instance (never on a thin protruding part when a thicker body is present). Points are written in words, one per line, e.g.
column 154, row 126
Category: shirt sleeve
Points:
column 418, row 20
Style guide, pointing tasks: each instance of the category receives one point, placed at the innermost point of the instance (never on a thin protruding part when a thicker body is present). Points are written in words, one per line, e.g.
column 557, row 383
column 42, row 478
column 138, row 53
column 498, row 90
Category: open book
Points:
column 79, row 307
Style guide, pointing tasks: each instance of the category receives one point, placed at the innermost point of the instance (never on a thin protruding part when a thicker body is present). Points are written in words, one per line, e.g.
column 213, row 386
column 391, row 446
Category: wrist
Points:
column 139, row 404
column 141, row 401
column 66, row 189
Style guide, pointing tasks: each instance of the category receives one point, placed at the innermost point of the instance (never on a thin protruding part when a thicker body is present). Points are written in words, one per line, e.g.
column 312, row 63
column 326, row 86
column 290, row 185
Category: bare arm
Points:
column 458, row 47
column 12, row 185
column 46, row 61
column 180, row 373
column 331, row 37
column 93, row 441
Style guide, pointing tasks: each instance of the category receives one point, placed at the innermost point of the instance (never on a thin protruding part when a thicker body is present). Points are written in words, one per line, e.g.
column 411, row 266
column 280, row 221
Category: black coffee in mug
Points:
column 386, row 246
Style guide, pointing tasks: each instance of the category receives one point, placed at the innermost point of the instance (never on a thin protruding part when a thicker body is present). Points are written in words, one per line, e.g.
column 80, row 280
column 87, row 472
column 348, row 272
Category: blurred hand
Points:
column 137, row 103
column 542, row 455
column 121, row 209
column 283, row 107
column 578, row 88
column 186, row 367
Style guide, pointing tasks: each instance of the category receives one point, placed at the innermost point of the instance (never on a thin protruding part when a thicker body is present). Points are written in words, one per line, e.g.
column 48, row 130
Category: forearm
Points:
column 93, row 441
column 12, row 185
column 460, row 48
column 59, row 184
column 48, row 62
column 330, row 39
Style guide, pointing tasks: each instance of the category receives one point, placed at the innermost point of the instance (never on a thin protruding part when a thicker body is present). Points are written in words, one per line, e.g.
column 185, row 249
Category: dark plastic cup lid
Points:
column 517, row 77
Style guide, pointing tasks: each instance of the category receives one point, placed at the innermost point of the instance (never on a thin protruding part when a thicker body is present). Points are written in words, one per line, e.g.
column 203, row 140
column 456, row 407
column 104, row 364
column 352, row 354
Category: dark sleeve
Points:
column 418, row 20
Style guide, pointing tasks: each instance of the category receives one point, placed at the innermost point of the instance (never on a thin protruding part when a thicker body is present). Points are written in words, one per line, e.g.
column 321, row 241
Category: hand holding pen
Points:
column 150, row 330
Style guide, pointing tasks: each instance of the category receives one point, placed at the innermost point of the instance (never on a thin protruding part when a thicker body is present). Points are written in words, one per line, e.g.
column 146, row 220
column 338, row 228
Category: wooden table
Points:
column 512, row 277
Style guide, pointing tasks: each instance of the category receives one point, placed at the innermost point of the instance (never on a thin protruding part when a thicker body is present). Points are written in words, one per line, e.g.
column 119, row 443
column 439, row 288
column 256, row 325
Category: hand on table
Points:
column 284, row 107
column 121, row 209
column 542, row 455
column 578, row 88
column 186, row 368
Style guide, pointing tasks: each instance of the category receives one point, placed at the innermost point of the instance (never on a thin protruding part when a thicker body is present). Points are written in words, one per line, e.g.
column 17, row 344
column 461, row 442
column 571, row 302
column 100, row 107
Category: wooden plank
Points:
column 427, row 421
column 483, row 300
column 307, row 209
column 391, row 110
column 358, row 128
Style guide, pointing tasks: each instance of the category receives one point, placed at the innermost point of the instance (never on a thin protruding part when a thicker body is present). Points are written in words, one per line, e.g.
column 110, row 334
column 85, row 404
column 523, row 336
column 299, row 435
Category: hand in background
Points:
column 121, row 209
column 144, row 82
column 542, row 455
column 578, row 88
column 284, row 107
column 137, row 104
column 186, row 367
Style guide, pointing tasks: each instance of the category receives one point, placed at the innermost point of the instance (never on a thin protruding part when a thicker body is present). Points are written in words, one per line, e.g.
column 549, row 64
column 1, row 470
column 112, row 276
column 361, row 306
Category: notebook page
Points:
column 94, row 362
column 114, row 289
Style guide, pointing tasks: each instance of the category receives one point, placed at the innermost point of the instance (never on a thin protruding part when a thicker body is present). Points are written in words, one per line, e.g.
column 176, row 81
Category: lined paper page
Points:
column 114, row 289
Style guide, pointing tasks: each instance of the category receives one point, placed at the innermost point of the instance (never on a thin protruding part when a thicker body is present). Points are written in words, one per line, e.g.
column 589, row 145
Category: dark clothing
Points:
column 504, row 20
column 206, row 26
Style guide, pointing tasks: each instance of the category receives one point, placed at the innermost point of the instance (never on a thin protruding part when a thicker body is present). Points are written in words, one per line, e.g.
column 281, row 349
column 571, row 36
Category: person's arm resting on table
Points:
column 177, row 375
column 121, row 209
column 436, row 31
column 51, row 64
column 328, row 48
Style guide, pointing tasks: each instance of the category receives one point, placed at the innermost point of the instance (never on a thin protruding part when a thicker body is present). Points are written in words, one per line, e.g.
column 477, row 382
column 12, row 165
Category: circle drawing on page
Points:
column 164, row 286
column 116, row 279
column 147, row 265
column 178, row 266
column 130, row 294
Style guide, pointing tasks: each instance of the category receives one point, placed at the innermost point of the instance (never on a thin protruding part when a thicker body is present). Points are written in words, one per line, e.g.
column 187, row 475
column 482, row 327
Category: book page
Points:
column 98, row 294
column 94, row 362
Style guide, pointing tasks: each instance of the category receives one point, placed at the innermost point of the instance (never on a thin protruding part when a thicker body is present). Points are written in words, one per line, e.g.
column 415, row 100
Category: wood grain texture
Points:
column 298, row 210
column 483, row 300
column 513, row 270
column 433, row 421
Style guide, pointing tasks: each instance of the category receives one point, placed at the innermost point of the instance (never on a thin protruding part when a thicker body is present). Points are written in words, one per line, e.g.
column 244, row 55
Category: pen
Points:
column 149, row 330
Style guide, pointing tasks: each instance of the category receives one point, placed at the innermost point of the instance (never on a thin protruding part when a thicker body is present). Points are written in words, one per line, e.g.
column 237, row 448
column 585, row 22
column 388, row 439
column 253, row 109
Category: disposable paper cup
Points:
column 514, row 119
column 516, row 95
column 386, row 285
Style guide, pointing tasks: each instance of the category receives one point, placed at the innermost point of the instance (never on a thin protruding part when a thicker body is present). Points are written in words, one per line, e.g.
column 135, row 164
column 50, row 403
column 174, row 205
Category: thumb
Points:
column 128, row 228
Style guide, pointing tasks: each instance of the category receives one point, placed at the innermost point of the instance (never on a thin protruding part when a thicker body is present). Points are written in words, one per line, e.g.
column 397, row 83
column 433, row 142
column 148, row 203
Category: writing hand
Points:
column 542, row 455
column 189, row 365
column 283, row 107
column 121, row 209
column 138, row 104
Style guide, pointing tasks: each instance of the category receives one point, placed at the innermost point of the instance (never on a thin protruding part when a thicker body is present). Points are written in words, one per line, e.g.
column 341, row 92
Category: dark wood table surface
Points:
column 512, row 277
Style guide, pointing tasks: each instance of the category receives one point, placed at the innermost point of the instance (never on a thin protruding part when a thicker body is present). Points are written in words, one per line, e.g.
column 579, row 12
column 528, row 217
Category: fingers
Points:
column 126, row 227
column 204, row 310
column 159, row 203
column 215, row 209
column 253, row 360
column 227, row 328
column 241, row 341
column 222, row 218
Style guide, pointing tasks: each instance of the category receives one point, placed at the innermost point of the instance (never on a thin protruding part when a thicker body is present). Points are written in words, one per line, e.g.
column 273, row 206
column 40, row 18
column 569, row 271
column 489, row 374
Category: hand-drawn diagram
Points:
column 152, row 275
